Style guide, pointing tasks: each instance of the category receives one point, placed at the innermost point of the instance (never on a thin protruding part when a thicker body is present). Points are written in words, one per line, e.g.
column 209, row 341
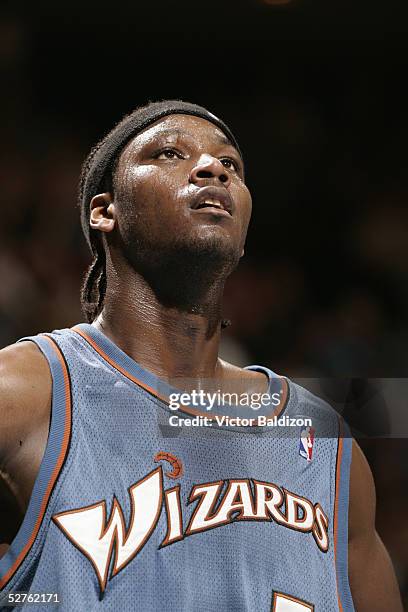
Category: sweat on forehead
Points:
column 98, row 165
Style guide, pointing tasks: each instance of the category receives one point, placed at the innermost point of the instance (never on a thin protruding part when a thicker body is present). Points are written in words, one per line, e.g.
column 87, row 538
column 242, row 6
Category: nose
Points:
column 209, row 167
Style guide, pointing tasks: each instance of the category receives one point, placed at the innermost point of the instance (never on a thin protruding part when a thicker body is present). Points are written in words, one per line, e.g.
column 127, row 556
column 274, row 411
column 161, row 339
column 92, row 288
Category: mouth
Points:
column 213, row 200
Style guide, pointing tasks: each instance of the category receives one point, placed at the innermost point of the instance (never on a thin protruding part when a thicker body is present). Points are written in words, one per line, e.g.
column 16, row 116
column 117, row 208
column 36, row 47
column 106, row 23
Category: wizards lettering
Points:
column 215, row 504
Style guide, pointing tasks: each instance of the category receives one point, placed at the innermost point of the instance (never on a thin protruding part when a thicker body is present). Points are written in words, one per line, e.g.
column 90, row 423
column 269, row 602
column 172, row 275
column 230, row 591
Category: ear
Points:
column 103, row 213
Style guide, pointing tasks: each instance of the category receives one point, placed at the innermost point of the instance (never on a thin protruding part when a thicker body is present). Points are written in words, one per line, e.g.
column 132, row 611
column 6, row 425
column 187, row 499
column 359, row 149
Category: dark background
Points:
column 316, row 93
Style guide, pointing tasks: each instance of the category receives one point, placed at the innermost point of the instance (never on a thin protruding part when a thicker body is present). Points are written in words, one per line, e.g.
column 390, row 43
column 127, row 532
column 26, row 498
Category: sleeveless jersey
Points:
column 129, row 512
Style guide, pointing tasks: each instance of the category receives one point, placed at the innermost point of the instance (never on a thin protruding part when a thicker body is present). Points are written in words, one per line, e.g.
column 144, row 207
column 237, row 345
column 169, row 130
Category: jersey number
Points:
column 286, row 603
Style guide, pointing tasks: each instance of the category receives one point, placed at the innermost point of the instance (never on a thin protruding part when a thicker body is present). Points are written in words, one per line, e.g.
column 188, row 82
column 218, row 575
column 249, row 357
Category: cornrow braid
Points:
column 94, row 286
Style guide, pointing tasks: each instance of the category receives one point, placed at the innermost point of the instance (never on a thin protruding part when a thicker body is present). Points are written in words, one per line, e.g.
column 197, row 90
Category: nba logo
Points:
column 306, row 443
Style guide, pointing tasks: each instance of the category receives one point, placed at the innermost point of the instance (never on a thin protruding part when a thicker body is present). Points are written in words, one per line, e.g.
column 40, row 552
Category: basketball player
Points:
column 125, row 505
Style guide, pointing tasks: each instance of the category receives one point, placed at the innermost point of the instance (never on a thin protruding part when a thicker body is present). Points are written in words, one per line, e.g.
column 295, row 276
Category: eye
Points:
column 229, row 163
column 168, row 153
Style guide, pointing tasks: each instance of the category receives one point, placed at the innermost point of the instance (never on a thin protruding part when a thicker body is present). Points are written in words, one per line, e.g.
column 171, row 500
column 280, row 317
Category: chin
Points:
column 189, row 251
column 209, row 243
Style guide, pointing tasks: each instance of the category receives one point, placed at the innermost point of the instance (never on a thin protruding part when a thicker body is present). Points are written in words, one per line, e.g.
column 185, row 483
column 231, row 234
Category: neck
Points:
column 171, row 325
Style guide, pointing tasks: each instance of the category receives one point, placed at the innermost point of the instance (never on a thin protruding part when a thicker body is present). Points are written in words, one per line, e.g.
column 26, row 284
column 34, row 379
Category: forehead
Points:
column 174, row 127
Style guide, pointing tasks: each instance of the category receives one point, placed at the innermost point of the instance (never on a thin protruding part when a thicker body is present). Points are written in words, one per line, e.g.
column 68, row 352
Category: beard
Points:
column 187, row 272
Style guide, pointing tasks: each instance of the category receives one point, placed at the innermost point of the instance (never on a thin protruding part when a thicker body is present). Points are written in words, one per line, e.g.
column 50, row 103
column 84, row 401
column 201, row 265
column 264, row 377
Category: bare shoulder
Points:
column 252, row 380
column 25, row 394
column 373, row 583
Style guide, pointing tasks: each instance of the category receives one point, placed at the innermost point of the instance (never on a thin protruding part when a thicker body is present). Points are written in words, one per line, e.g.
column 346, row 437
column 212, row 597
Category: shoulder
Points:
column 305, row 397
column 22, row 357
column 254, row 381
column 303, row 402
column 25, row 393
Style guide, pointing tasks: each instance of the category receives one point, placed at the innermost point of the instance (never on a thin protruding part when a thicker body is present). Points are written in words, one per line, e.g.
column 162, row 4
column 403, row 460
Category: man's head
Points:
column 168, row 194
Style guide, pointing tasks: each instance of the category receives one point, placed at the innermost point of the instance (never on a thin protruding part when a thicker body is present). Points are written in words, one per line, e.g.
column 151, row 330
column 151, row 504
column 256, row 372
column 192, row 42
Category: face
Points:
column 179, row 188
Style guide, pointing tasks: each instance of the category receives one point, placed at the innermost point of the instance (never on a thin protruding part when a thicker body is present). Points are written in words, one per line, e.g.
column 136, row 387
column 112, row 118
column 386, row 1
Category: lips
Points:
column 213, row 199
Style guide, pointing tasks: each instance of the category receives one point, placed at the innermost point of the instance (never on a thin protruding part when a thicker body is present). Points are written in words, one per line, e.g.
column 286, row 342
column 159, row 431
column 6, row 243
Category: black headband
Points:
column 101, row 161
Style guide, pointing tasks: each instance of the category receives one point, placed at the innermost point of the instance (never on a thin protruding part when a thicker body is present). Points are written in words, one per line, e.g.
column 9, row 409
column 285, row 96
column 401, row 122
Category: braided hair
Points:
column 93, row 287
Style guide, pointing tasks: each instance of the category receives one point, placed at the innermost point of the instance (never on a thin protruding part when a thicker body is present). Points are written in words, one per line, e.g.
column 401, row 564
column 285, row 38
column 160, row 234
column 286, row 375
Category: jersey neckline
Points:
column 132, row 370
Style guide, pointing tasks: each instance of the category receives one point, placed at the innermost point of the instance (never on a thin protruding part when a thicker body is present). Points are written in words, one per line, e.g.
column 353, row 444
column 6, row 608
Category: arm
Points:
column 372, row 579
column 25, row 402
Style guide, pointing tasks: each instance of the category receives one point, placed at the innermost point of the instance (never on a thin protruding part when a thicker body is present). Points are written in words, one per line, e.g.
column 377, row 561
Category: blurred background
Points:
column 316, row 94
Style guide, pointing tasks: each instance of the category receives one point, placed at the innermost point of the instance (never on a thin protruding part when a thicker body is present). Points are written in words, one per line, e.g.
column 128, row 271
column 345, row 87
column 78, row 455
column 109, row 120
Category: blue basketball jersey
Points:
column 130, row 512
